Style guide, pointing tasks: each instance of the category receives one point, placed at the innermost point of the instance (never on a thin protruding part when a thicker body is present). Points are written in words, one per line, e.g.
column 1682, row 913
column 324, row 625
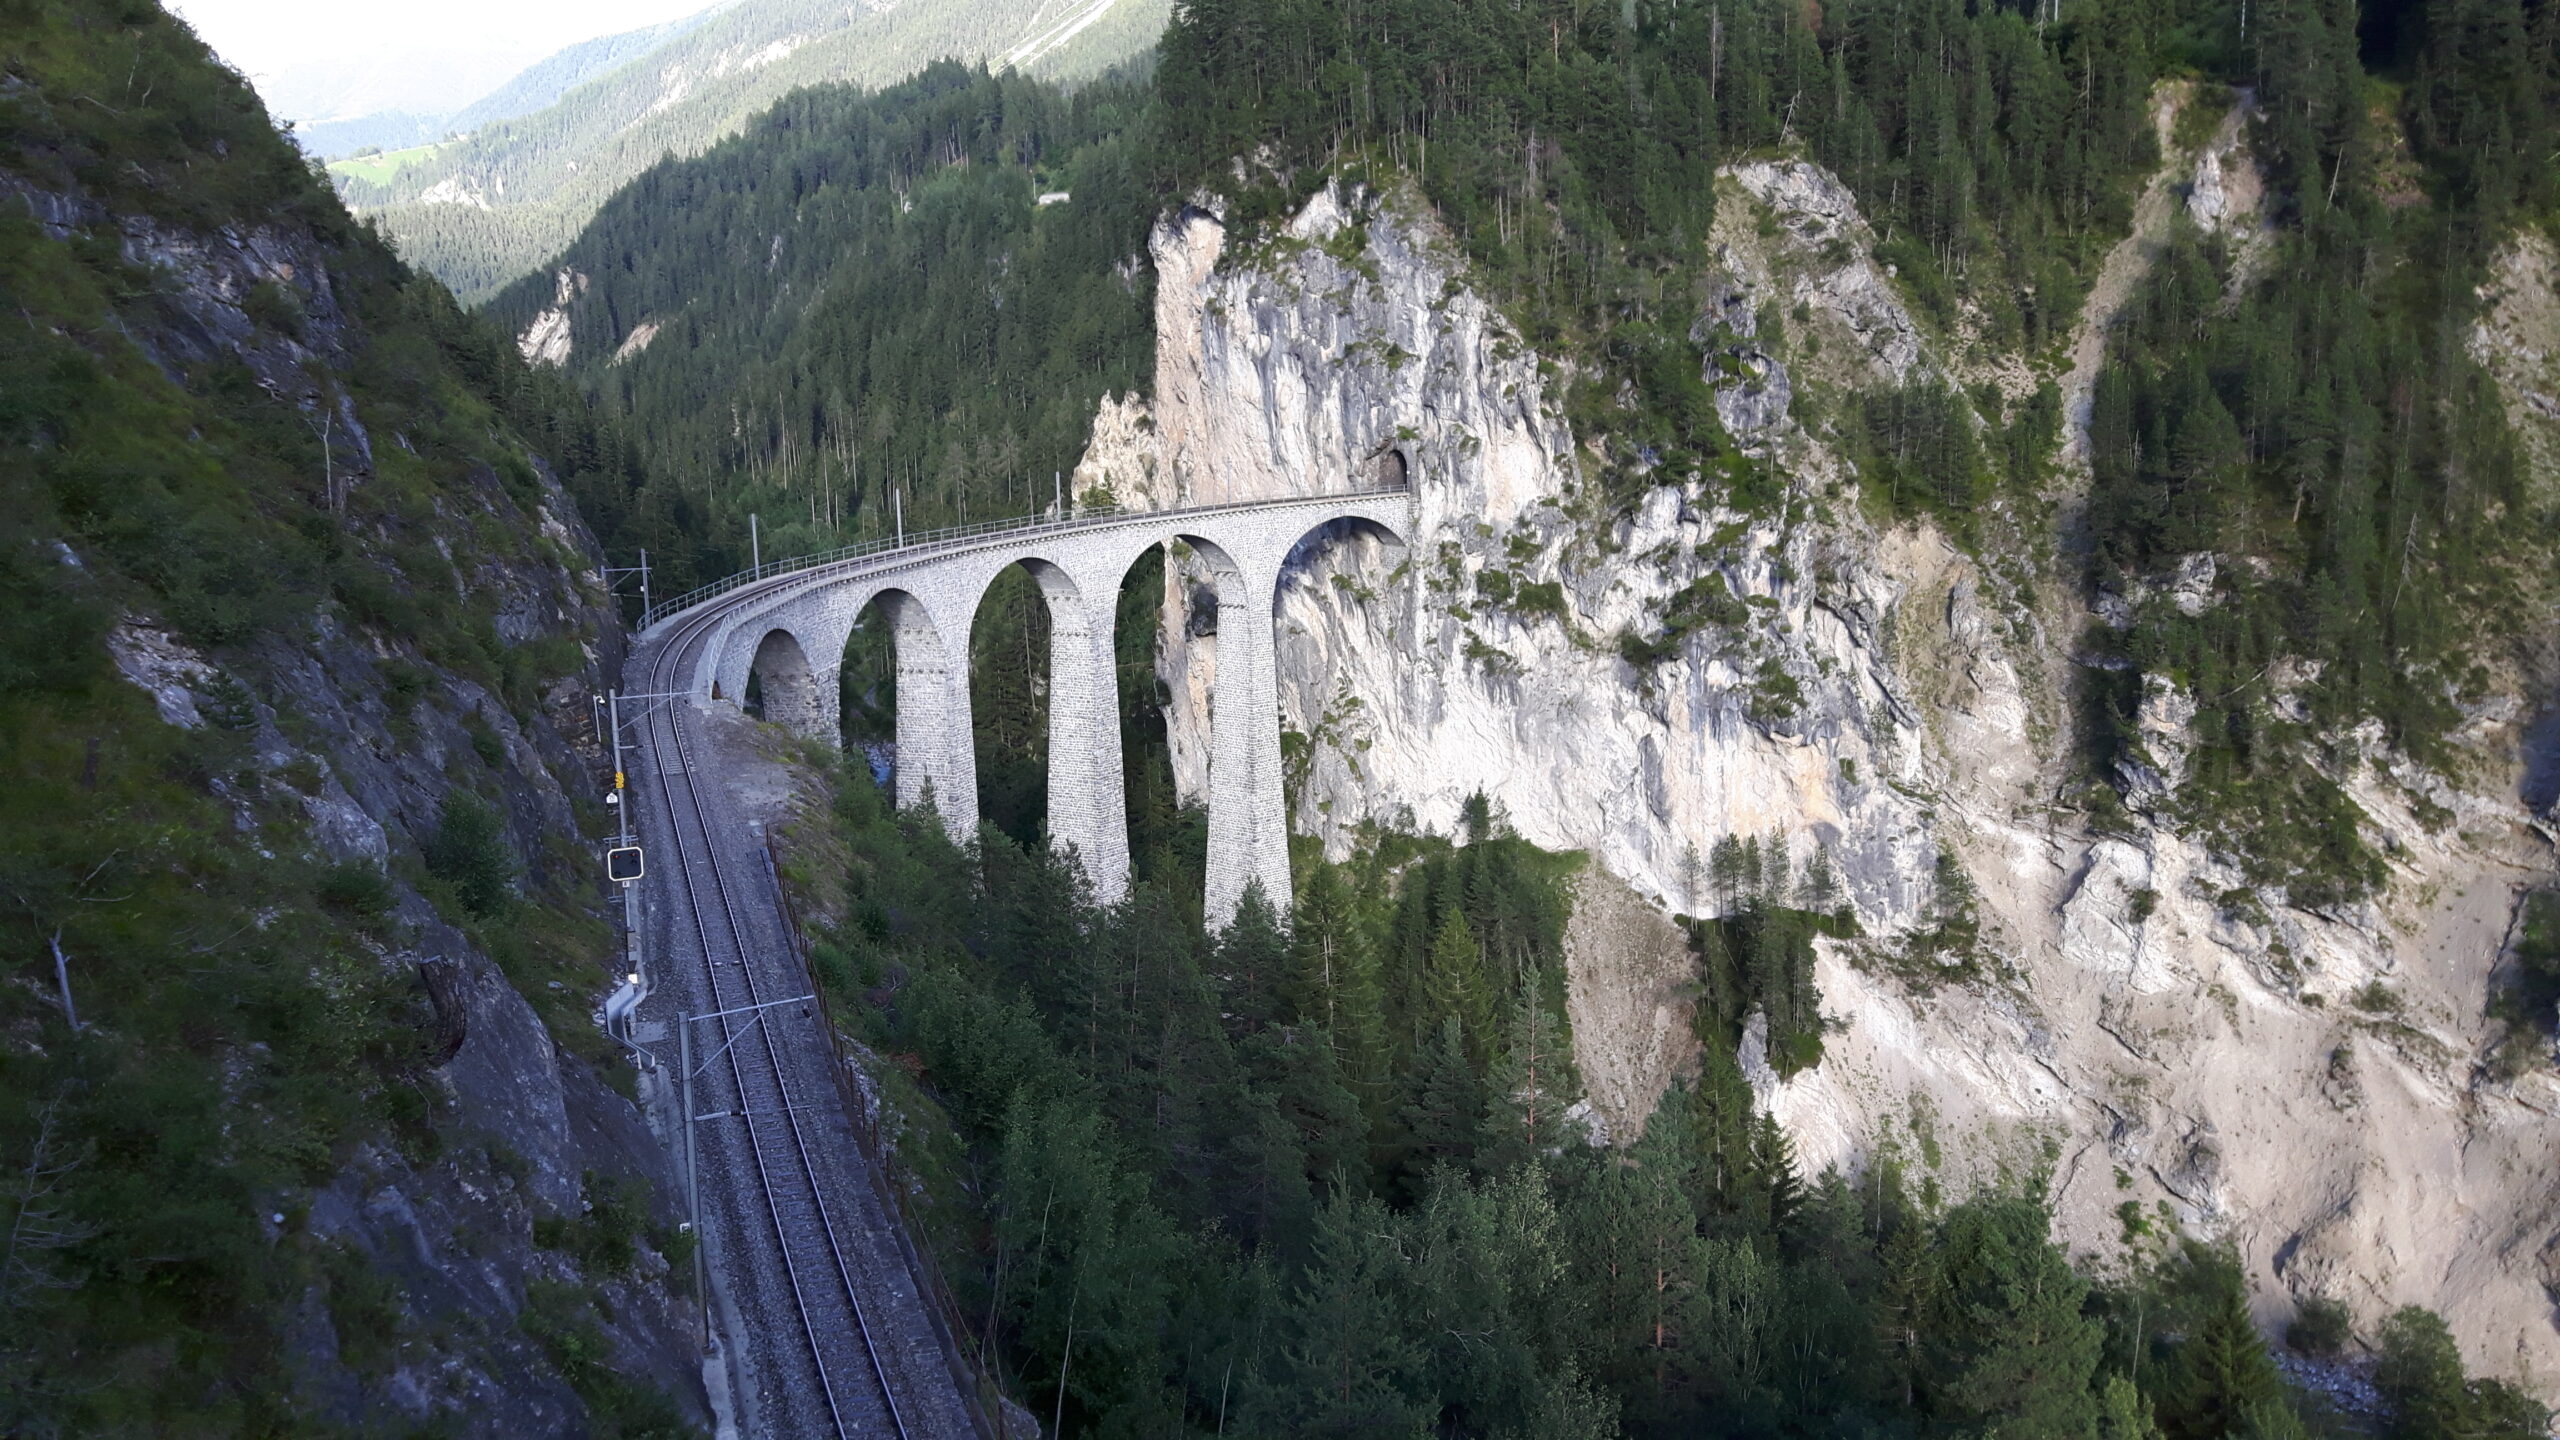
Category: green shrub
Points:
column 485, row 742
column 364, row 1309
column 2322, row 1327
column 356, row 888
column 561, row 1319
column 276, row 307
column 1546, row 597
column 470, row 853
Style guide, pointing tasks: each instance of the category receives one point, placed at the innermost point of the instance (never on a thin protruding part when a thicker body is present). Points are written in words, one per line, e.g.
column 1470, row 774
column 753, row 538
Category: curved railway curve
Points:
column 826, row 1326
column 817, row 1293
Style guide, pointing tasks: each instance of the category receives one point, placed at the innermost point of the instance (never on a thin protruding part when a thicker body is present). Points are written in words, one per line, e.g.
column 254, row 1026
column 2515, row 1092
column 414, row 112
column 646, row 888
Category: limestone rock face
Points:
column 547, row 339
column 2305, row 1085
column 2517, row 340
column 1841, row 288
column 1295, row 371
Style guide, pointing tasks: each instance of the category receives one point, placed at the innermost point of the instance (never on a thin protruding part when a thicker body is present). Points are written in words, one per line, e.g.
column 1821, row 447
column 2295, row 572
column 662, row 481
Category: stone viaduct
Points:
column 790, row 633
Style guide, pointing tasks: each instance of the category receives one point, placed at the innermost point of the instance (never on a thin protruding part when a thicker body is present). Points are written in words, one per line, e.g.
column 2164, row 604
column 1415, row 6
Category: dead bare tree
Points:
column 38, row 1226
column 323, row 423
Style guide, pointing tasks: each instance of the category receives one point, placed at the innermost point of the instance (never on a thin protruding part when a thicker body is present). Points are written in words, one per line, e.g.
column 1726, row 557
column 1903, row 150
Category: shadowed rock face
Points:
column 2175, row 1036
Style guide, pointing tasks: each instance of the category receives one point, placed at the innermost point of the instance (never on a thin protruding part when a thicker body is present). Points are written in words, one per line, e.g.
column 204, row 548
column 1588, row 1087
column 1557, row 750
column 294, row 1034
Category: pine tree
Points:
column 2221, row 1372
column 1252, row 961
column 1908, row 1306
column 1456, row 985
column 1333, row 977
column 1444, row 1119
column 1773, row 1161
column 2124, row 1413
column 1531, row 1083
column 1347, row 1366
column 1729, row 1324
column 1727, row 868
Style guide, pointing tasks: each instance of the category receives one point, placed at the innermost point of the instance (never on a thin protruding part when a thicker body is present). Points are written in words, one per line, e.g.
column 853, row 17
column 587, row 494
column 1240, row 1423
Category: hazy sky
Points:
column 328, row 59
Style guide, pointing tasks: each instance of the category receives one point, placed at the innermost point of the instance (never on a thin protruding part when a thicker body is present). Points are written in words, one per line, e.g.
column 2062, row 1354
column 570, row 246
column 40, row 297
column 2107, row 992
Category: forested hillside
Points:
column 862, row 292
column 304, row 1129
column 497, row 206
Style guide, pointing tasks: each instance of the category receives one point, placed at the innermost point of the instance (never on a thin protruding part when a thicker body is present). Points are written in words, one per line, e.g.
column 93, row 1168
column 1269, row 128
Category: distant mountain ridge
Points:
column 544, row 82
column 537, row 85
column 495, row 207
column 383, row 130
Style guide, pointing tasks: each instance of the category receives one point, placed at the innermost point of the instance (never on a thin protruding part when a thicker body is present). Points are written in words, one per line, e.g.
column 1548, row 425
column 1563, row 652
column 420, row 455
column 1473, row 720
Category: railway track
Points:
column 802, row 1239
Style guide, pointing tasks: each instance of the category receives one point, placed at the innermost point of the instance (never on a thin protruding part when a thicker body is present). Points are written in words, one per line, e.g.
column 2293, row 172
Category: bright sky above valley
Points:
column 331, row 59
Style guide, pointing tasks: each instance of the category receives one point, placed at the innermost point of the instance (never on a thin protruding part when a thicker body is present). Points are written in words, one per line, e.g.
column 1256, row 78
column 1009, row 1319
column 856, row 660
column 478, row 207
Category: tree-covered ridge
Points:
column 2310, row 421
column 1574, row 145
column 863, row 293
column 298, row 492
column 498, row 203
column 1324, row 1180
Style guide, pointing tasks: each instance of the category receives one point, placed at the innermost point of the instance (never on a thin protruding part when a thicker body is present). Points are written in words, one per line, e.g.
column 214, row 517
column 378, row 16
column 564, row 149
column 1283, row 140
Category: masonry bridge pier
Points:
column 788, row 632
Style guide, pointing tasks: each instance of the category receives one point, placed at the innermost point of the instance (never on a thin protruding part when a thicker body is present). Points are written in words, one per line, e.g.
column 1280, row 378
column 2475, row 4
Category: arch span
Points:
column 1339, row 528
column 934, row 754
column 929, row 594
column 786, row 688
column 1088, row 812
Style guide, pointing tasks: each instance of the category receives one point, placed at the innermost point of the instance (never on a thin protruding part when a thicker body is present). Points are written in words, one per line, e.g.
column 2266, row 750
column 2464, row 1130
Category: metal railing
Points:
column 1082, row 516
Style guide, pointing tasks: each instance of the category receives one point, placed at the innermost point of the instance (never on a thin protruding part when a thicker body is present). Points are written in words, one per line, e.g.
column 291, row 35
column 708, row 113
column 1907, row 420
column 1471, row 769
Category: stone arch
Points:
column 785, row 686
column 1334, row 529
column 1390, row 469
column 867, row 684
column 1087, row 809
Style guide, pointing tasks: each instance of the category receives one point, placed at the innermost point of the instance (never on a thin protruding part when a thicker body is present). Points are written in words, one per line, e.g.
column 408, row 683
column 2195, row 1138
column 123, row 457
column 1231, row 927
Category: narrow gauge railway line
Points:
column 851, row 1388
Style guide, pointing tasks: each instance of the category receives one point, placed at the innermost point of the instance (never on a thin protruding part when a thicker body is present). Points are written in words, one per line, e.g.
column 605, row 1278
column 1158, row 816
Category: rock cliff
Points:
column 2178, row 1047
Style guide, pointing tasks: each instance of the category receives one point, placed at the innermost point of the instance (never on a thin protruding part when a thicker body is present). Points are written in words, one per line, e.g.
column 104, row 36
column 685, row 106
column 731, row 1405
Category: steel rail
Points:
column 791, row 1264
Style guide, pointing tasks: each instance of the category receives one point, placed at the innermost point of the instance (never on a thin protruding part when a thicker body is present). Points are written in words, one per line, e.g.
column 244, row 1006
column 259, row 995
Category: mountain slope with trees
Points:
column 498, row 205
column 304, row 1127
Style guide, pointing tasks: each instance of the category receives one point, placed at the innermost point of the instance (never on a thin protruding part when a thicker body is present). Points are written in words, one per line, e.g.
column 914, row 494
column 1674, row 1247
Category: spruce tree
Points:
column 2016, row 1355
column 2221, row 1372
column 1444, row 1119
column 1456, row 985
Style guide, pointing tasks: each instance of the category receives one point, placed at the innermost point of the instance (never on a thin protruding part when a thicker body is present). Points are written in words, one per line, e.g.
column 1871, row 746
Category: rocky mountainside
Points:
column 2323, row 1086
column 495, row 206
column 306, row 1121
